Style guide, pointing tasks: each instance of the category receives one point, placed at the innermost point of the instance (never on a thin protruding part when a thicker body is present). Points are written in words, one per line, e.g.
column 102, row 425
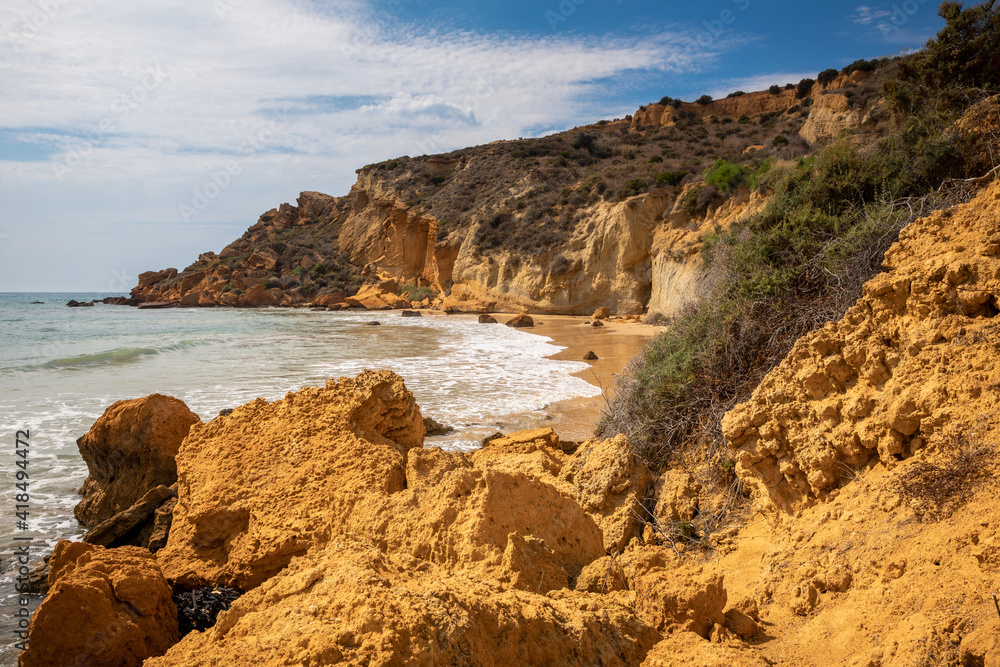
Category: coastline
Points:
column 615, row 344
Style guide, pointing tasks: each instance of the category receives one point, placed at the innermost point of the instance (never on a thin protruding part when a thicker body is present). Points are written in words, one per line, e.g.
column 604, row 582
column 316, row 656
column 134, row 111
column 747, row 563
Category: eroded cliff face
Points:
column 563, row 224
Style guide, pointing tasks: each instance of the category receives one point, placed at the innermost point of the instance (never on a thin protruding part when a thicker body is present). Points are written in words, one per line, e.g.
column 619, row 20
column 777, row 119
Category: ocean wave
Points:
column 114, row 357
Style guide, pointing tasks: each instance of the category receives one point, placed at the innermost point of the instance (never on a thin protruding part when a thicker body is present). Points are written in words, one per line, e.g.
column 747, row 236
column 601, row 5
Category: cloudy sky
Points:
column 135, row 135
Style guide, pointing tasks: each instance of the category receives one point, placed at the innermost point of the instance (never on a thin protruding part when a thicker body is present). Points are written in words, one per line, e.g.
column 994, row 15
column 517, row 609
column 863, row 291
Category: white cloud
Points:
column 864, row 15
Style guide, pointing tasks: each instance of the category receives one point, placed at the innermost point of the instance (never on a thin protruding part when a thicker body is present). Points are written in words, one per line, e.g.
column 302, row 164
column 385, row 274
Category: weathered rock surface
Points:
column 356, row 604
column 129, row 451
column 262, row 485
column 105, row 607
column 880, row 384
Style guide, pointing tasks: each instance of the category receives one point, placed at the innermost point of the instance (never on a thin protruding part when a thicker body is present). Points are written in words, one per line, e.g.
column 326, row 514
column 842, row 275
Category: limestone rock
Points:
column 884, row 381
column 105, row 607
column 258, row 296
column 601, row 313
column 487, row 319
column 128, row 523
column 130, row 450
column 686, row 649
column 610, row 483
column 521, row 321
column 256, row 488
column 676, row 494
column 356, row 604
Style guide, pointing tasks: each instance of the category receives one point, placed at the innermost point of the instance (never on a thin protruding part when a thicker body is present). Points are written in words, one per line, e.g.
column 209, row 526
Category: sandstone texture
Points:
column 883, row 383
column 129, row 451
column 258, row 487
column 105, row 608
column 358, row 545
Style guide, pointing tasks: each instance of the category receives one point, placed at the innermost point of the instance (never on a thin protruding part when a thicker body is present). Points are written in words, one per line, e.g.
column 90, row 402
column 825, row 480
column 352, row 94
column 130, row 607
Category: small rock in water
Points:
column 487, row 319
column 34, row 302
column 597, row 323
column 590, row 356
column 225, row 412
column 374, row 323
column 199, row 608
column 73, row 303
column 434, row 427
column 490, row 438
column 410, row 313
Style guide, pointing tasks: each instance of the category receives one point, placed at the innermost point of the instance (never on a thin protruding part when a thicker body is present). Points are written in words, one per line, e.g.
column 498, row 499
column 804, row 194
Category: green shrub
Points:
column 437, row 180
column 654, row 160
column 804, row 88
column 735, row 93
column 704, row 99
column 774, row 90
column 826, row 77
column 671, row 177
column 726, row 176
column 780, row 140
column 298, row 271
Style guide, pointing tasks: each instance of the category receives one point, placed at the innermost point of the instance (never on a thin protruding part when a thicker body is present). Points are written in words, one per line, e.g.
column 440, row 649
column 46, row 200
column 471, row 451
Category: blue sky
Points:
column 134, row 136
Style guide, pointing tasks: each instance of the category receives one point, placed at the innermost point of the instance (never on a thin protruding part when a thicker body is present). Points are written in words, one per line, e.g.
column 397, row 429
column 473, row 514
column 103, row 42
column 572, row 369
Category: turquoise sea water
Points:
column 61, row 367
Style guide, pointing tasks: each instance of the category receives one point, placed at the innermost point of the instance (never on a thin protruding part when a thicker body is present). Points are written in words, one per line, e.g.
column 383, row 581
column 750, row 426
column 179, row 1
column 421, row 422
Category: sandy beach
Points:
column 615, row 344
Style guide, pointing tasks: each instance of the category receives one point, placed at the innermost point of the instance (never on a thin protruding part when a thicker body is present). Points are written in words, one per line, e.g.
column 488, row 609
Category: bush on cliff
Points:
column 803, row 259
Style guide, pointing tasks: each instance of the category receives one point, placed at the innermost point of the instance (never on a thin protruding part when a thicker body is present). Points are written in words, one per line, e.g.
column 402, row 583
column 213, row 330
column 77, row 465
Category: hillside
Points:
column 611, row 214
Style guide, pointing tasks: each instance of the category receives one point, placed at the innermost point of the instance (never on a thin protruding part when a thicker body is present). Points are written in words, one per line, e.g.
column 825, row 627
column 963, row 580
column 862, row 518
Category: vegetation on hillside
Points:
column 802, row 261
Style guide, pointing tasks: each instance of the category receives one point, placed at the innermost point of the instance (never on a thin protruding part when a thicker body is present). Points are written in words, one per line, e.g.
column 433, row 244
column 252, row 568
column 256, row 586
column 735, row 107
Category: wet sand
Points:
column 615, row 344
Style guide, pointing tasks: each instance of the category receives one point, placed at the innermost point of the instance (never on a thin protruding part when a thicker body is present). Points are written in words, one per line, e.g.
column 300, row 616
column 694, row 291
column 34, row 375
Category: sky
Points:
column 136, row 135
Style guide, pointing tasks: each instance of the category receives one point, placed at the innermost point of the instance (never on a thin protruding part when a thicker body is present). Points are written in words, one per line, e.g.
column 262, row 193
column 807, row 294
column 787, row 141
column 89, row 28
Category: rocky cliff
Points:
column 593, row 217
column 872, row 452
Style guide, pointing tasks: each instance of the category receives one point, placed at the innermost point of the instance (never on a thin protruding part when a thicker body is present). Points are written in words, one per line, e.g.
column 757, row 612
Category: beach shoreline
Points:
column 615, row 343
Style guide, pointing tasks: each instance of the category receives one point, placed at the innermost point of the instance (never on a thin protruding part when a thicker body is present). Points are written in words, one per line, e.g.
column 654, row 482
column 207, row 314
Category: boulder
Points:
column 105, row 607
column 521, row 321
column 601, row 314
column 258, row 487
column 127, row 526
column 590, row 356
column 73, row 303
column 487, row 319
column 328, row 300
column 410, row 313
column 610, row 483
column 129, row 451
column 434, row 427
column 257, row 296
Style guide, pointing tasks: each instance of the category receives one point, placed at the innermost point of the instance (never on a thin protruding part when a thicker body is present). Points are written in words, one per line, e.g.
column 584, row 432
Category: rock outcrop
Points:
column 880, row 384
column 559, row 224
column 265, row 483
column 130, row 450
column 105, row 607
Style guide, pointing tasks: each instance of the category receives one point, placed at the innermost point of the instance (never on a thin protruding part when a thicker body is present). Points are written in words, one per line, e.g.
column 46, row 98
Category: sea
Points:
column 61, row 367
